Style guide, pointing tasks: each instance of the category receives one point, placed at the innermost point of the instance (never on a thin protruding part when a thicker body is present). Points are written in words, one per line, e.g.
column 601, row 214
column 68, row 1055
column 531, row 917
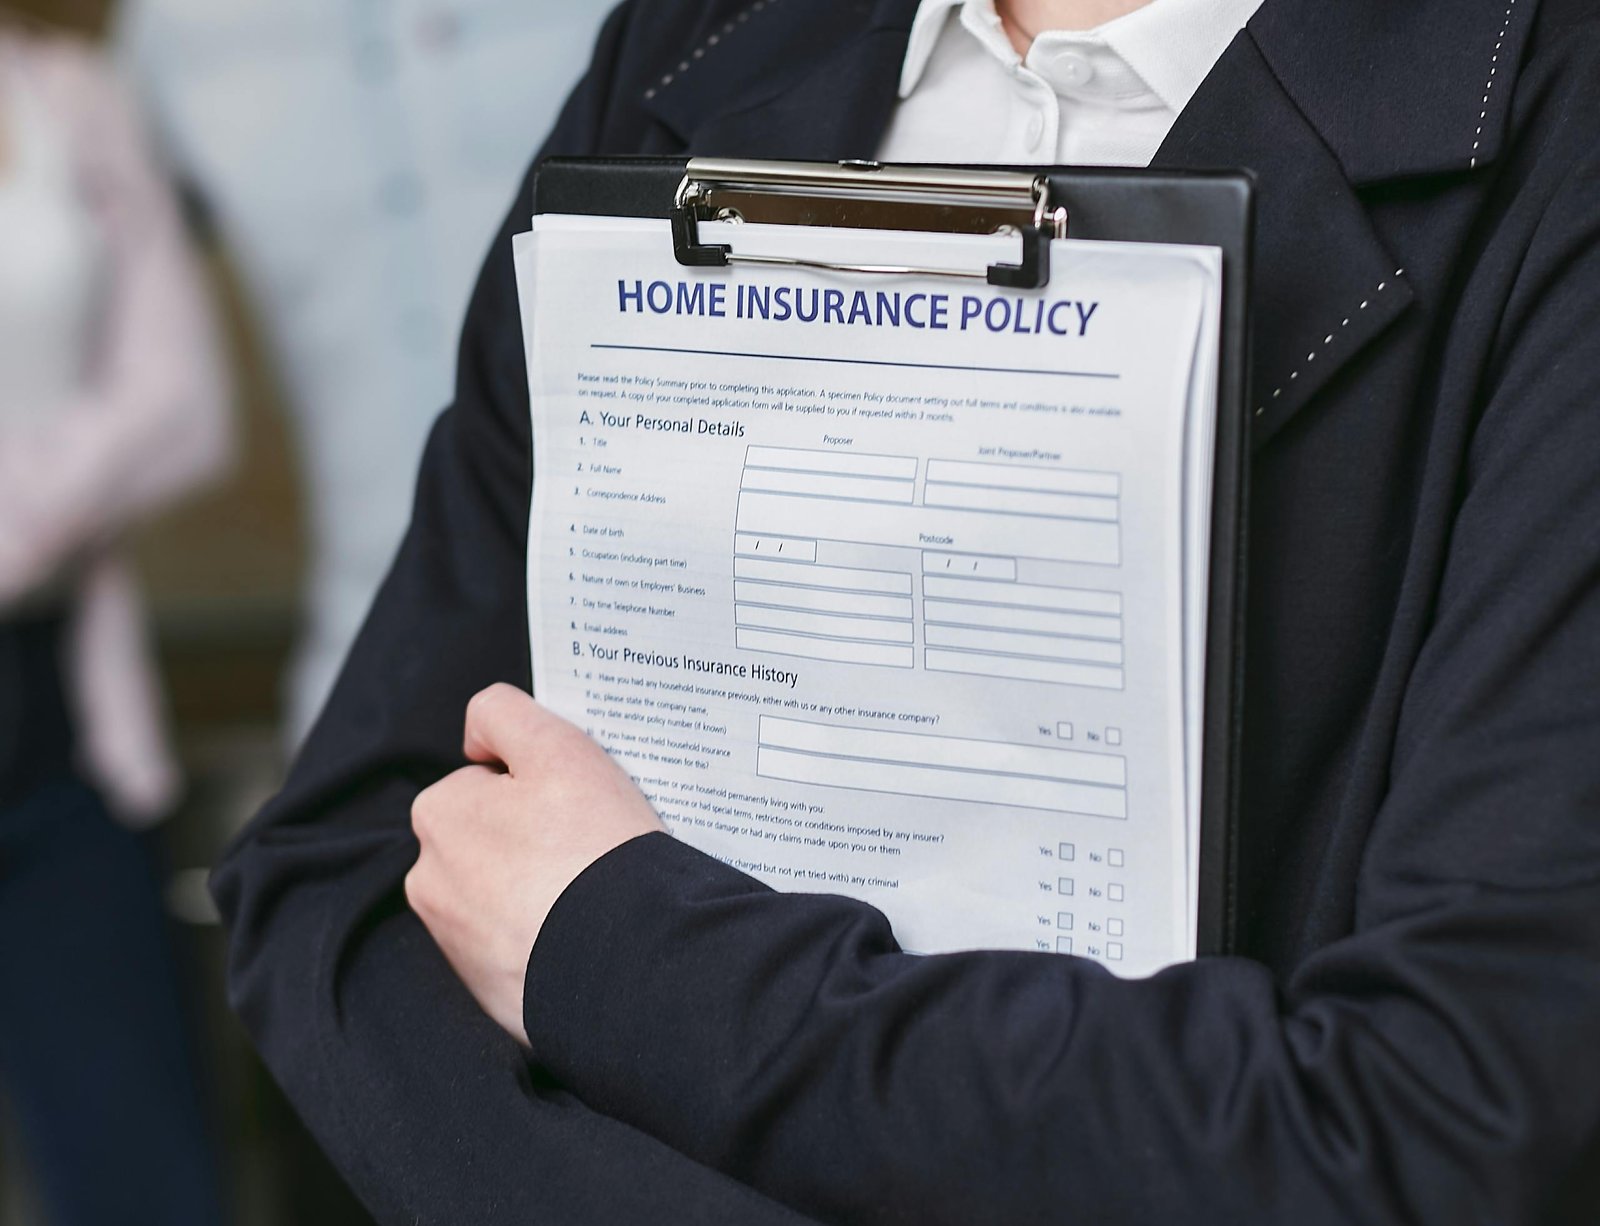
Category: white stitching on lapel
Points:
column 728, row 27
column 1494, row 67
column 1328, row 340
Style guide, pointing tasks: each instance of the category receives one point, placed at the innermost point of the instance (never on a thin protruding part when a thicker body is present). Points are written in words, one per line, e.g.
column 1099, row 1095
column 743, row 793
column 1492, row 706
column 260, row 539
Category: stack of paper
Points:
column 888, row 585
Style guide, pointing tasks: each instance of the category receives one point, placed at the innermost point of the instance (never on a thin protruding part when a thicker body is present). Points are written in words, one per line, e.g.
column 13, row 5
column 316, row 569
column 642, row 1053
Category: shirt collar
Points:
column 929, row 25
column 1171, row 45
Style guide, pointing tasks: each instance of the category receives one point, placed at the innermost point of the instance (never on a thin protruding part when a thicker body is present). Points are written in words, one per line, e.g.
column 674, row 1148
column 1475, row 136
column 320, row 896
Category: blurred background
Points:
column 242, row 234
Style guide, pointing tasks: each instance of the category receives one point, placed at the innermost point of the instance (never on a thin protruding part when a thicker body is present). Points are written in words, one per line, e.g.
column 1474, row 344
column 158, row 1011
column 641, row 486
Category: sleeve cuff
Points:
column 616, row 930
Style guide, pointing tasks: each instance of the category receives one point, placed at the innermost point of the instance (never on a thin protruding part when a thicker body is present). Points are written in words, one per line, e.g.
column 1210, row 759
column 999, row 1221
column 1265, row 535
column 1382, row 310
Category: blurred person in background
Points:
column 354, row 154
column 111, row 405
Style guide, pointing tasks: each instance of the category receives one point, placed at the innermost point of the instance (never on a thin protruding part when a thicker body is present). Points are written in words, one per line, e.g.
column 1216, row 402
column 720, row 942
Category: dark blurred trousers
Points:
column 93, row 1052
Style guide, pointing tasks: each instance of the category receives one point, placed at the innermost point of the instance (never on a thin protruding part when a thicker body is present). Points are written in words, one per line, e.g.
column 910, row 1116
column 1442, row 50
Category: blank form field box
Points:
column 959, row 612
column 1023, row 490
column 1063, row 731
column 1026, row 477
column 1114, row 951
column 1064, row 920
column 1063, row 945
column 948, row 768
column 822, row 600
column 1021, row 502
column 1035, row 646
column 827, row 485
column 1068, row 851
column 773, row 569
column 1022, row 668
column 1114, row 893
column 968, row 565
column 829, row 474
column 1064, row 887
column 1027, row 596
column 1114, row 857
column 1114, row 927
column 784, row 549
column 1113, row 736
column 825, row 625
column 842, row 651
column 842, row 463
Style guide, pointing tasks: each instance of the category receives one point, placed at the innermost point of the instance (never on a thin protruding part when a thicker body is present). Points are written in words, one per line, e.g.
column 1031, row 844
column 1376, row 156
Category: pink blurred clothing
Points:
column 143, row 418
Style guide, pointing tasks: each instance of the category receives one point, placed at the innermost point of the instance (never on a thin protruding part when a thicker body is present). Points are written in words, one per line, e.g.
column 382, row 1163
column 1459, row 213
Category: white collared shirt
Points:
column 1101, row 97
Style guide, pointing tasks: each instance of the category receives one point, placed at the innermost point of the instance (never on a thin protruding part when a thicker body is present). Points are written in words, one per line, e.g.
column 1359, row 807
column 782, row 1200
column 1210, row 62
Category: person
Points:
column 353, row 156
column 112, row 404
column 1403, row 1028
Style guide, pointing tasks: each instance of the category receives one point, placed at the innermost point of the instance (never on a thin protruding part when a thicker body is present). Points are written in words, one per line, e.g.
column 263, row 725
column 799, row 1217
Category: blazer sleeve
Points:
column 1439, row 1064
column 152, row 419
column 429, row 1109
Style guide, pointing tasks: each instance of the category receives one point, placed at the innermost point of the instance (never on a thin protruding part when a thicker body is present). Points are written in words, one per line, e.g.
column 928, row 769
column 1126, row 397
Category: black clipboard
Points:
column 1037, row 204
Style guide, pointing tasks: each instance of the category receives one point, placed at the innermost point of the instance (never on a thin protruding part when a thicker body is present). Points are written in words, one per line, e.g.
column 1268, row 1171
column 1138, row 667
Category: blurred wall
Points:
column 222, row 575
column 223, row 571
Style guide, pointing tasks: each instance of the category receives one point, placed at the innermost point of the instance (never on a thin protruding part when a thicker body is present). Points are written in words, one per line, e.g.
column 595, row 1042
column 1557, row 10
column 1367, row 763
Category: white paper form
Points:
column 877, row 584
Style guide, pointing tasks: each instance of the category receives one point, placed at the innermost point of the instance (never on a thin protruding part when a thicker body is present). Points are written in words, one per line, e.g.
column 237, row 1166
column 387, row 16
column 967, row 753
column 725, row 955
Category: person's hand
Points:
column 501, row 840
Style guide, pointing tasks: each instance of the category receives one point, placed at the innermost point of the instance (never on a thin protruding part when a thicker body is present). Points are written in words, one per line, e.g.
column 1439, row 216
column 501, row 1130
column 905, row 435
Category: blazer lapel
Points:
column 1324, row 285
column 830, row 95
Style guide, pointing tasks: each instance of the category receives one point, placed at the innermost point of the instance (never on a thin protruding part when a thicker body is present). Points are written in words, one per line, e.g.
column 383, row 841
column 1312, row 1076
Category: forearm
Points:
column 432, row 1112
column 786, row 1041
column 429, row 1110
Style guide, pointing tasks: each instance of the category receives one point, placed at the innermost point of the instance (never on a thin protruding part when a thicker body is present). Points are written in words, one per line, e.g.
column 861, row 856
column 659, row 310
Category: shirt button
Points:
column 1035, row 131
column 1071, row 70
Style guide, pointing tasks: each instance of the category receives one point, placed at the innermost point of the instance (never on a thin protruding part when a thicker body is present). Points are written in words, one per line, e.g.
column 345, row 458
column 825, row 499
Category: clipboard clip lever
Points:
column 869, row 195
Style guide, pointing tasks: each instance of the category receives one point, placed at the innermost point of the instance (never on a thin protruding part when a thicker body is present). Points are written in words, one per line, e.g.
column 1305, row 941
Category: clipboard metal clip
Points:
column 869, row 195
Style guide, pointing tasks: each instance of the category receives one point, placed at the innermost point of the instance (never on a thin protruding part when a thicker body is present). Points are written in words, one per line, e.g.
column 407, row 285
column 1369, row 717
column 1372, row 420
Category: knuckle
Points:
column 492, row 701
column 416, row 894
column 422, row 814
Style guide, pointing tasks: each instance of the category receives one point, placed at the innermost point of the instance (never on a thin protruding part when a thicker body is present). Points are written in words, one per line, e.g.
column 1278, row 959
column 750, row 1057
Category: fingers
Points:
column 502, row 726
column 449, row 799
column 506, row 727
column 449, row 802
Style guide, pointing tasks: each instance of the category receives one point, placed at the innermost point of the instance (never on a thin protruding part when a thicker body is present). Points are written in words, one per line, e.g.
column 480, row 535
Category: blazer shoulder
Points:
column 678, row 21
column 1558, row 90
column 1564, row 50
column 1560, row 18
column 673, row 31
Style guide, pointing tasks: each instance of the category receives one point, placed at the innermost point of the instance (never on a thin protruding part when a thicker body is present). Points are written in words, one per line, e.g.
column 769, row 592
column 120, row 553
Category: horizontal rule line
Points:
column 793, row 357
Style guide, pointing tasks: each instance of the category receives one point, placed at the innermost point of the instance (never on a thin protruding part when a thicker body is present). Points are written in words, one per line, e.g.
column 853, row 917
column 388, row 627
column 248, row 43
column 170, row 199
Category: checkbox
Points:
column 1113, row 736
column 1064, row 887
column 1064, row 920
column 1114, row 857
column 1114, row 952
column 1068, row 852
column 1063, row 731
column 1114, row 927
column 1063, row 945
column 1114, row 893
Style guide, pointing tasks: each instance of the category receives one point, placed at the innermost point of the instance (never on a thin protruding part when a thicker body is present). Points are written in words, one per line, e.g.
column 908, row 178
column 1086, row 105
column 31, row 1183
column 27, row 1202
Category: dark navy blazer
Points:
column 1408, row 1029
